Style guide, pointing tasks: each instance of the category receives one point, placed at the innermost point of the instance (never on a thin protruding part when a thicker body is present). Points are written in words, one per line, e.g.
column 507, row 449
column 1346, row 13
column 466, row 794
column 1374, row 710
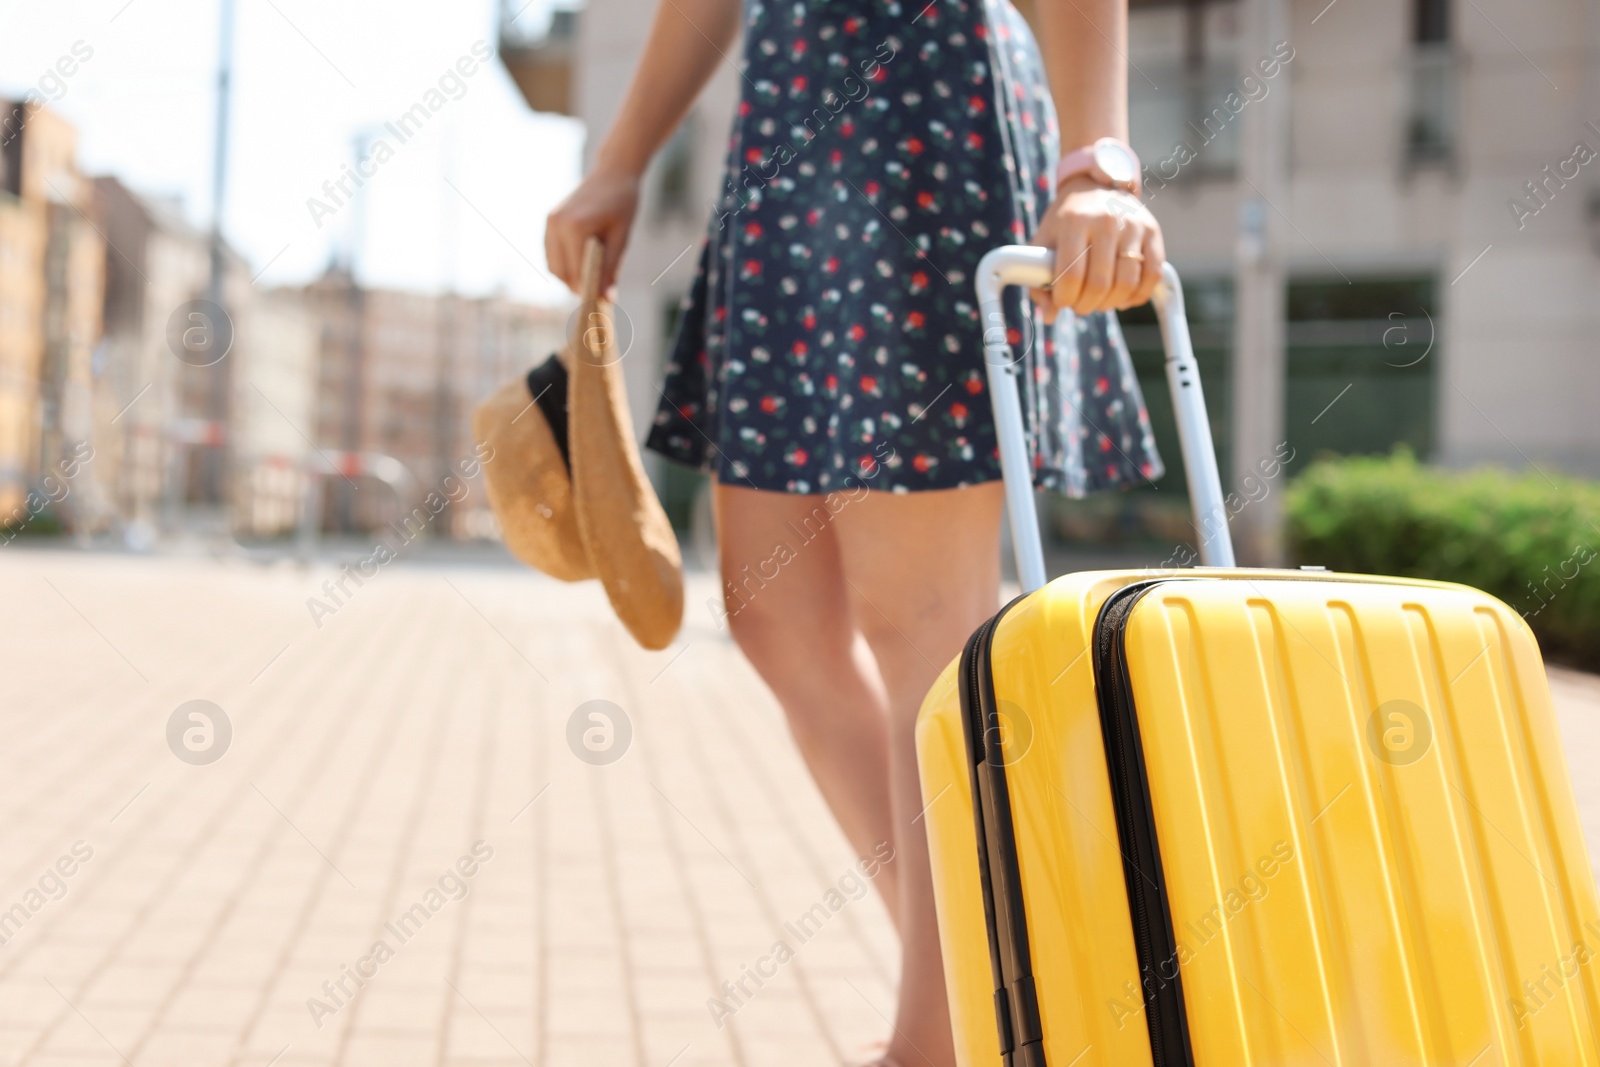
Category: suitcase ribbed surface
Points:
column 1370, row 849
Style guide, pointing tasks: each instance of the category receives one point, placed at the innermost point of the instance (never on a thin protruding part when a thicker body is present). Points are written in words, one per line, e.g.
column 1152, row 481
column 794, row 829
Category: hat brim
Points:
column 626, row 532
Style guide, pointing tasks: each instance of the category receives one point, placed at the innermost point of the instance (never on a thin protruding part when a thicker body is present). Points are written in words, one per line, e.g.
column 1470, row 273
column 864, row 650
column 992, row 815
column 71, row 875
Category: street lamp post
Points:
column 214, row 477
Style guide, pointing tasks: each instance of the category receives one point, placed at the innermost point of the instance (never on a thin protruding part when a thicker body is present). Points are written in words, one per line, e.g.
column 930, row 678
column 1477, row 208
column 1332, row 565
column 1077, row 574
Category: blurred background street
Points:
column 259, row 259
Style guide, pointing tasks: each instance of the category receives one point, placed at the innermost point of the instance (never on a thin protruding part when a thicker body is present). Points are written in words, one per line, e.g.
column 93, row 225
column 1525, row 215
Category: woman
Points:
column 829, row 367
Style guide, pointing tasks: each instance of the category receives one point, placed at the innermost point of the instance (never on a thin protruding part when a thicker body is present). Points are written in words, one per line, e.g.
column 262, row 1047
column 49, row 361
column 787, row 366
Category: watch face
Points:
column 1116, row 162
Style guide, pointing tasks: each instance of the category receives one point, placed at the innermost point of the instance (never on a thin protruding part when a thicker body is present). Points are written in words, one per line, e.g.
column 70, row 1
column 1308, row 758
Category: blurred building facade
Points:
column 1437, row 203
column 397, row 375
column 51, row 279
column 343, row 405
column 273, row 407
column 149, row 428
column 1422, row 304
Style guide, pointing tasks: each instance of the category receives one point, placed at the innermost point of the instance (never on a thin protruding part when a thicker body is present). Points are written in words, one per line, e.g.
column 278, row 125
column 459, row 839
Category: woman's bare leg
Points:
column 913, row 574
column 788, row 608
column 923, row 571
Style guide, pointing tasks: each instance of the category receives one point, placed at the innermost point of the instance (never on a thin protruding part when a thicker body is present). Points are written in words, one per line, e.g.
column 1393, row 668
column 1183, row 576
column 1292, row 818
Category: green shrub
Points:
column 45, row 524
column 1532, row 541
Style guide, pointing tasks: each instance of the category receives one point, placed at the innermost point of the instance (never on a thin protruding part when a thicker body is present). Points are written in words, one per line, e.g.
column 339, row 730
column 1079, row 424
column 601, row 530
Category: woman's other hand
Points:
column 603, row 206
column 1108, row 249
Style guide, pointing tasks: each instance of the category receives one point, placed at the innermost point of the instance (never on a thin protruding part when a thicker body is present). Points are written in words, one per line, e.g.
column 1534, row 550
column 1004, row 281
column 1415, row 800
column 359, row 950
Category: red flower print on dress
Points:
column 975, row 104
column 798, row 457
column 752, row 230
column 958, row 411
column 752, row 267
column 831, row 382
column 871, row 189
column 810, row 320
column 798, row 85
column 974, row 384
column 814, row 216
column 920, row 463
column 852, row 24
column 798, row 348
column 867, row 466
column 752, row 155
column 974, row 140
column 831, row 264
column 846, row 128
column 1101, row 386
column 913, row 145
column 869, row 384
column 857, row 331
column 769, row 405
column 919, row 281
column 925, row 200
column 915, row 319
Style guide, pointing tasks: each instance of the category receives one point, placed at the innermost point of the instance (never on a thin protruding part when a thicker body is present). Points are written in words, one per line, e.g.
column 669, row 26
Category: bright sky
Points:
column 309, row 77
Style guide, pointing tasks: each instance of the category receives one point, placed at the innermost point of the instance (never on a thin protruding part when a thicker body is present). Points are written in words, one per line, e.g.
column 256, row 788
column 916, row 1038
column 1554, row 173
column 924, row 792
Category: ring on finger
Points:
column 1130, row 269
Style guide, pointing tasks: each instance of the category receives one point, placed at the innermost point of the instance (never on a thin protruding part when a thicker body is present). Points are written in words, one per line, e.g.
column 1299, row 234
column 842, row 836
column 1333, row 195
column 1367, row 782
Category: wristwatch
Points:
column 1108, row 161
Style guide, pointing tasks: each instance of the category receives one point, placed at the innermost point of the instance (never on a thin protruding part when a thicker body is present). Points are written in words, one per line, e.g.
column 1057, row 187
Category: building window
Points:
column 675, row 172
column 1432, row 22
column 1183, row 68
column 1431, row 120
column 12, row 119
column 1361, row 375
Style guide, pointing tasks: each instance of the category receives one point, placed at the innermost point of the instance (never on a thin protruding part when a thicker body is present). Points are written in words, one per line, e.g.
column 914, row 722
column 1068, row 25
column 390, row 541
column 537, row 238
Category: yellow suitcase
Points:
column 1220, row 816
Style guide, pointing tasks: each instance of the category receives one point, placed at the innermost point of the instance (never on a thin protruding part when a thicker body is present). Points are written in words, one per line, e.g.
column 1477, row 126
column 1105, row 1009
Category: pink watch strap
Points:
column 1076, row 162
column 1082, row 161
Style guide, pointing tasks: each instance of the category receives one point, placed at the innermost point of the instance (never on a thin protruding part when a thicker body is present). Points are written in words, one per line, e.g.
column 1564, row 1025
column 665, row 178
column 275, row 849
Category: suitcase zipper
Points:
column 1016, row 1002
column 1155, row 942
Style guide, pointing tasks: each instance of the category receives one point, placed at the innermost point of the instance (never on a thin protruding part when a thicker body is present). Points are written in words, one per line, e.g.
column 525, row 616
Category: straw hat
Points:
column 573, row 500
column 524, row 422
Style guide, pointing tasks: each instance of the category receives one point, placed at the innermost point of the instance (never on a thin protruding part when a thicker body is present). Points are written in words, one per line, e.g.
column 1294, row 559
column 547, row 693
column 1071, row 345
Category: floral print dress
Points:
column 832, row 338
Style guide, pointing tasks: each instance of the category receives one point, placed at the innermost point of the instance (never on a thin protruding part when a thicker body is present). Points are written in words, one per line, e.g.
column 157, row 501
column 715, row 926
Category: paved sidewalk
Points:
column 427, row 713
column 401, row 775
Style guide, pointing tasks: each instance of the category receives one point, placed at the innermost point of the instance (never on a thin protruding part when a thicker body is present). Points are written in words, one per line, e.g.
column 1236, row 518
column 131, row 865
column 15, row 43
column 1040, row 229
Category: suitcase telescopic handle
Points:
column 1034, row 267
